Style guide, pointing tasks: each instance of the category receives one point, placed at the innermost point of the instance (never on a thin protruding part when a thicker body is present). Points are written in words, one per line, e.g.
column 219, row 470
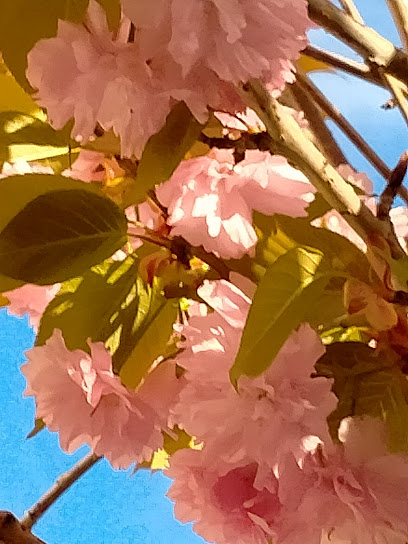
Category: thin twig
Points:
column 390, row 192
column 350, row 8
column 343, row 63
column 288, row 139
column 377, row 51
column 153, row 240
column 400, row 99
column 399, row 12
column 61, row 485
column 334, row 114
column 319, row 129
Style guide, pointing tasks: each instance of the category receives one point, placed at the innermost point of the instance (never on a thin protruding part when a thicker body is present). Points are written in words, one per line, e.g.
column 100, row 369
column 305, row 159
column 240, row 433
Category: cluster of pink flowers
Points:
column 78, row 395
column 265, row 468
column 210, row 199
column 195, row 53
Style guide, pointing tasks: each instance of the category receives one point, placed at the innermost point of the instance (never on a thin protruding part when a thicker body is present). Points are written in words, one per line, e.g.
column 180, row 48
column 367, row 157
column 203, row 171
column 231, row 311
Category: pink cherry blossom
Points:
column 87, row 167
column 88, row 74
column 78, row 395
column 357, row 494
column 32, row 300
column 229, row 504
column 210, row 200
column 21, row 167
column 238, row 41
column 270, row 416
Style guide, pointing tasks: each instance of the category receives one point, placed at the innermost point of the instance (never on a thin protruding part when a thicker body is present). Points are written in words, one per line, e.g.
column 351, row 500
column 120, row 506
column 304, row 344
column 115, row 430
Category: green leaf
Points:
column 343, row 334
column 15, row 98
column 317, row 208
column 367, row 383
column 22, row 134
column 53, row 228
column 165, row 150
column 25, row 22
column 286, row 291
column 110, row 303
column 150, row 334
column 85, row 306
column 328, row 307
column 39, row 425
column 171, row 444
column 340, row 253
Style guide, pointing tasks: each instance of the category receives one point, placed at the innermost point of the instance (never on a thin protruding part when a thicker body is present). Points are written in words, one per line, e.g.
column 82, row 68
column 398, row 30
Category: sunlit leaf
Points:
column 279, row 232
column 23, row 136
column 85, row 306
column 165, row 150
column 367, row 382
column 15, row 98
column 24, row 22
column 284, row 295
column 309, row 64
column 150, row 334
column 53, row 228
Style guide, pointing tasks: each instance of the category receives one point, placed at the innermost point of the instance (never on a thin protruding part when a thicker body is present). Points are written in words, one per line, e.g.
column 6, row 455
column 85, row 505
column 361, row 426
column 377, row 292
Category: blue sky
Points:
column 113, row 507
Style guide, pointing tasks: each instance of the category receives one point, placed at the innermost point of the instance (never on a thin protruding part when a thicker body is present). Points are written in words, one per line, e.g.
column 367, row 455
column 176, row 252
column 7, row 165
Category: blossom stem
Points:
column 60, row 486
column 289, row 140
column 153, row 240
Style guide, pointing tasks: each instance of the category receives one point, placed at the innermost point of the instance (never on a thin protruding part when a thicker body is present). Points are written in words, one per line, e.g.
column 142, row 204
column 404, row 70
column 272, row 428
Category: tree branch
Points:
column 289, row 140
column 350, row 8
column 399, row 12
column 390, row 192
column 400, row 99
column 322, row 134
column 12, row 532
column 343, row 63
column 374, row 48
column 61, row 485
column 334, row 114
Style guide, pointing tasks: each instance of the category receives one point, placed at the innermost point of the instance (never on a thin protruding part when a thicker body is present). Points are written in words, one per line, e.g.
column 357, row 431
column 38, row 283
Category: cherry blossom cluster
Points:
column 195, row 52
column 264, row 467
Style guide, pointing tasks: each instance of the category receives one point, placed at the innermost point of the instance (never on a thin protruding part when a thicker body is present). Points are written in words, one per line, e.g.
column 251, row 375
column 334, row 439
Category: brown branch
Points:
column 334, row 114
column 288, row 139
column 377, row 51
column 390, row 192
column 396, row 88
column 350, row 8
column 399, row 12
column 313, row 114
column 343, row 63
column 61, row 485
column 257, row 140
column 12, row 531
